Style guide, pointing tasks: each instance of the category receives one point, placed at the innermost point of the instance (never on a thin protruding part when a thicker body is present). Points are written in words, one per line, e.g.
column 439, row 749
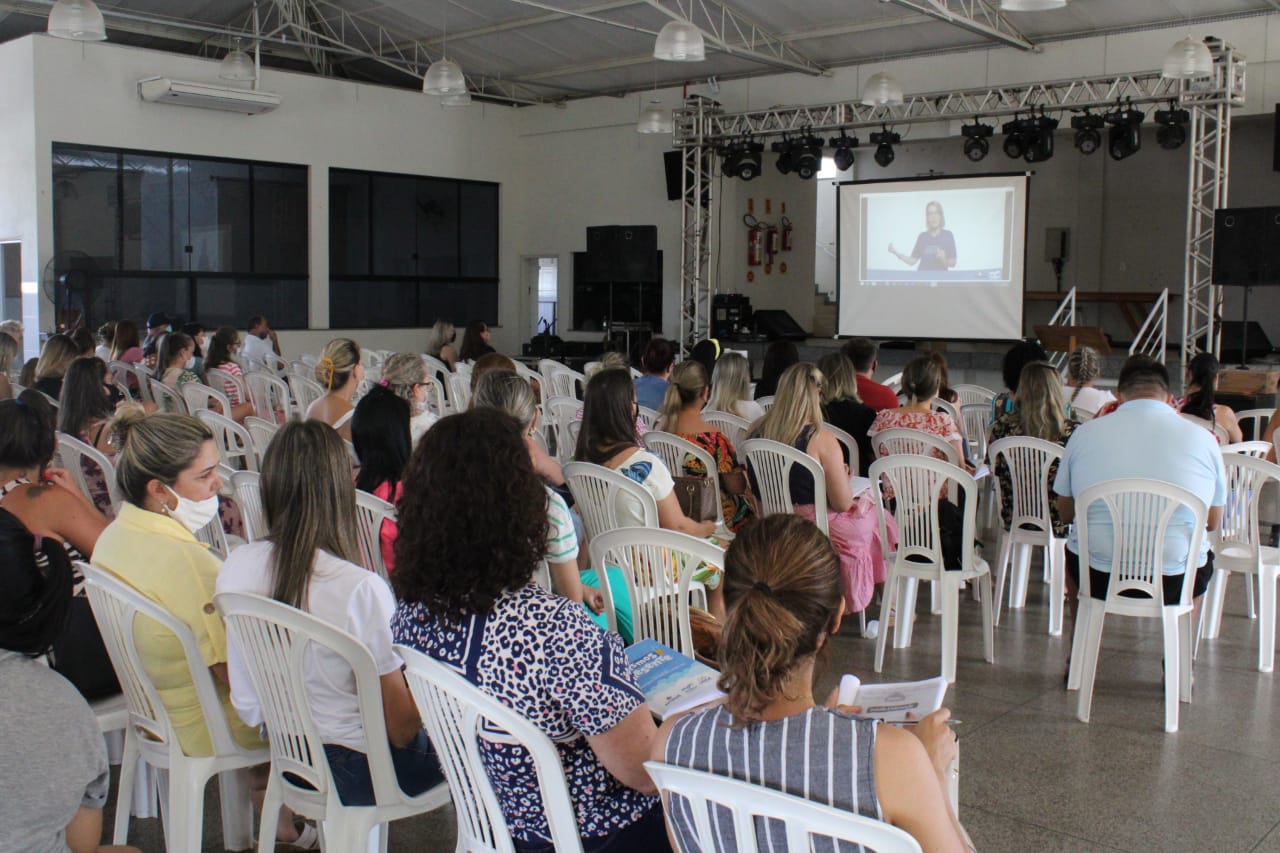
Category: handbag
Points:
column 697, row 498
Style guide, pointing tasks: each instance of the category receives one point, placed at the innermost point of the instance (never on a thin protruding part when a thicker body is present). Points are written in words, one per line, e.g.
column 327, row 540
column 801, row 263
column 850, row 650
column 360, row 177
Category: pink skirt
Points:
column 855, row 534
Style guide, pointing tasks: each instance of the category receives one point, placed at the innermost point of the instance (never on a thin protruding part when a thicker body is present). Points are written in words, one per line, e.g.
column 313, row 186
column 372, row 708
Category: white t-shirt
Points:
column 256, row 347
column 748, row 410
column 103, row 352
column 420, row 423
column 342, row 594
column 649, row 471
column 1088, row 400
column 562, row 540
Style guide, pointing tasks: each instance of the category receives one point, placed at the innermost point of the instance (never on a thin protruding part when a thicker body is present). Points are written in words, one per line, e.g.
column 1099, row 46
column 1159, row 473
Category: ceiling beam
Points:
column 731, row 32
column 976, row 16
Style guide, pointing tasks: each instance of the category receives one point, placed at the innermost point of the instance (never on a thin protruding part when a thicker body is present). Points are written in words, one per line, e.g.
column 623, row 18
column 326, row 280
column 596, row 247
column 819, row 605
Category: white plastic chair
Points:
column 305, row 391
column 716, row 805
column 246, row 487
column 648, row 416
column 220, row 379
column 1214, row 427
column 275, row 363
column 201, row 397
column 458, row 716
column 974, row 395
column 261, row 432
column 304, row 366
column 597, row 494
column 1253, row 422
column 234, row 443
column 1256, row 449
column 941, row 405
column 917, row 482
column 1237, row 547
column 117, row 606
column 73, row 453
column 770, row 462
column 213, row 535
column 904, row 440
column 459, row 391
column 122, row 372
column 277, row 642
column 167, row 399
column 894, row 382
column 1031, row 525
column 672, row 450
column 371, row 512
column 734, row 427
column 1140, row 511
column 535, row 379
column 435, row 366
column 849, row 443
column 560, row 412
column 766, row 403
column 975, row 423
column 270, row 395
column 658, row 566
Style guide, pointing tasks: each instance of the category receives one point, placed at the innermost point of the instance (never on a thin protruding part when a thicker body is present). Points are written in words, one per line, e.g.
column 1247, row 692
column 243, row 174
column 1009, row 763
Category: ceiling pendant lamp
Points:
column 680, row 41
column 78, row 20
column 238, row 66
column 882, row 91
column 444, row 77
column 655, row 119
column 1189, row 59
column 1030, row 5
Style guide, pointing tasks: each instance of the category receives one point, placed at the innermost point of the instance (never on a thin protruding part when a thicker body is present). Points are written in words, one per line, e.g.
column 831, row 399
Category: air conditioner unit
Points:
column 209, row 96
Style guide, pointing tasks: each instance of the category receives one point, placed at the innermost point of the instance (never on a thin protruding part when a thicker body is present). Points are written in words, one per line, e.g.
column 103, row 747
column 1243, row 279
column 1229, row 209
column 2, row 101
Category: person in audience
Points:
column 58, row 353
column 380, row 433
column 921, row 380
column 83, row 341
column 440, row 343
column 795, row 419
column 9, row 350
column 27, row 375
column 1201, row 383
column 58, row 781
column 196, row 331
column 1145, row 438
column 310, row 560
column 782, row 582
column 224, row 344
column 494, row 361
column 12, row 328
column 85, row 413
column 501, row 390
column 844, row 409
column 731, row 388
column 261, row 339
column 945, row 391
column 1083, row 367
column 158, row 325
column 177, row 360
column 151, row 355
column 339, row 372
column 475, row 342
column 681, row 414
column 106, row 335
column 659, row 357
column 465, row 591
column 611, row 360
column 1041, row 413
column 777, row 358
column 1019, row 356
column 50, row 505
column 167, row 468
column 405, row 375
column 864, row 353
column 125, row 345
column 706, row 352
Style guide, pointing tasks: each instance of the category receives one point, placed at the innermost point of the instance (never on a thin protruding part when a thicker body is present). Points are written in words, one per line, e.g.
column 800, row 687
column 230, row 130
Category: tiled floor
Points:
column 1033, row 778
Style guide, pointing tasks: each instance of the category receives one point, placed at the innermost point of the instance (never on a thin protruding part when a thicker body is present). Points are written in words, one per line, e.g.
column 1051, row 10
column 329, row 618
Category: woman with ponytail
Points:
column 782, row 586
column 687, row 393
column 921, row 381
column 340, row 372
column 1201, row 384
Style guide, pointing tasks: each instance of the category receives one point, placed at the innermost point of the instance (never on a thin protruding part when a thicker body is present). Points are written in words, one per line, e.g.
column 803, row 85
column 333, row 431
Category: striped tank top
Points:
column 818, row 755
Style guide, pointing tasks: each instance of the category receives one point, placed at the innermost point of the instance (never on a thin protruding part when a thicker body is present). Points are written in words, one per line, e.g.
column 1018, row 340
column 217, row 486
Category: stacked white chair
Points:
column 941, row 405
column 917, row 482
column 535, row 379
column 150, row 735
column 598, row 494
column 371, row 513
column 72, row 455
column 167, row 399
column 123, row 371
column 460, row 391
column 560, row 412
column 704, row 797
column 277, row 642
column 270, row 396
column 974, row 395
column 247, row 489
column 975, row 423
column 1140, row 511
column 458, row 716
column 235, row 445
column 275, row 363
column 1029, row 460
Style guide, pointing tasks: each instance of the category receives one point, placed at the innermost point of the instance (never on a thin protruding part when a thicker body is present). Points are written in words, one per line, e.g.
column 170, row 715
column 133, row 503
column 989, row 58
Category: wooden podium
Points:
column 1067, row 338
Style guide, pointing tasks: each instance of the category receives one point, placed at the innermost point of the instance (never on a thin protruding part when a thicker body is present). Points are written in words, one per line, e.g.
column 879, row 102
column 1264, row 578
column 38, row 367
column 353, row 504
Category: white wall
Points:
column 18, row 178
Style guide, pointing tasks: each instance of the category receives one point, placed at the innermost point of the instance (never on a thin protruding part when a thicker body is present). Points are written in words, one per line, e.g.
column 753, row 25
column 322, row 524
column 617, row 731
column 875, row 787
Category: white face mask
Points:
column 193, row 515
column 191, row 362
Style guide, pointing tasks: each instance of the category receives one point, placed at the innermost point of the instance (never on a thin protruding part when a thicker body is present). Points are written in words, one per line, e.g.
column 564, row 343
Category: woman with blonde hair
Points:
column 1083, row 367
column 9, row 350
column 782, row 584
column 440, row 343
column 731, row 388
column 58, row 353
column 340, row 372
column 844, row 409
column 681, row 414
column 405, row 375
column 796, row 421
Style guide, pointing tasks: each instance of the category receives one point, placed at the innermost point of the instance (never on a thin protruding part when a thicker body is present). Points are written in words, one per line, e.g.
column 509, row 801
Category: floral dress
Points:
column 737, row 509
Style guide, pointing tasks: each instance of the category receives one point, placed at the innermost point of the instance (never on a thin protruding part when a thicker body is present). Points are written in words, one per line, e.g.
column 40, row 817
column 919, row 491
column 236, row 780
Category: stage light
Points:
column 1172, row 132
column 1040, row 133
column 844, row 146
column 1015, row 138
column 806, row 156
column 742, row 159
column 975, row 136
column 1125, row 137
column 783, row 150
column 1088, row 132
column 884, row 140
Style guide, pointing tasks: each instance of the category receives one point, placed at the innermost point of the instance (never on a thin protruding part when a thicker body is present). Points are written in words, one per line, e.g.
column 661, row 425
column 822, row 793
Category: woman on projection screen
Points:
column 935, row 248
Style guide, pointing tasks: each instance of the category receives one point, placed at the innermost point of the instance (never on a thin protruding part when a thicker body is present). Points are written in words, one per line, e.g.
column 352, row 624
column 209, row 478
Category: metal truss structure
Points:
column 695, row 217
column 701, row 126
column 977, row 16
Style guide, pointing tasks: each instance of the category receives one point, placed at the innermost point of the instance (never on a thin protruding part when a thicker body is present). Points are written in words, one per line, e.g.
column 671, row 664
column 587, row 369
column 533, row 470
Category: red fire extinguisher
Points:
column 786, row 234
column 755, row 241
column 771, row 241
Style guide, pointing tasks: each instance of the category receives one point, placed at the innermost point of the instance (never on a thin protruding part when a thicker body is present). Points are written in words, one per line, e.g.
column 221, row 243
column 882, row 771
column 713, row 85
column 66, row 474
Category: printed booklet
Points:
column 671, row 682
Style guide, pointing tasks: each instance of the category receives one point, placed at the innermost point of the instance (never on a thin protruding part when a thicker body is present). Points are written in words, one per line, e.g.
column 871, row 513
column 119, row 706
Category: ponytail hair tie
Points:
column 333, row 368
column 384, row 383
column 763, row 587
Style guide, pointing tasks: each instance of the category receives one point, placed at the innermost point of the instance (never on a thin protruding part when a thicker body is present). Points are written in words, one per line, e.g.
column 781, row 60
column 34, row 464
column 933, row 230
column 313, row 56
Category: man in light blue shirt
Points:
column 1144, row 437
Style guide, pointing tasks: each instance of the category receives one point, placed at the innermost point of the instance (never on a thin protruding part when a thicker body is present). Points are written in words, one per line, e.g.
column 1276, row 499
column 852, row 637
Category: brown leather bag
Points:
column 697, row 498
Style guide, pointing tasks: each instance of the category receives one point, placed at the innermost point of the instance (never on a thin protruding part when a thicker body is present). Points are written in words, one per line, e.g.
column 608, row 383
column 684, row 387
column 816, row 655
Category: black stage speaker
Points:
column 622, row 253
column 1246, row 246
column 778, row 325
column 673, row 164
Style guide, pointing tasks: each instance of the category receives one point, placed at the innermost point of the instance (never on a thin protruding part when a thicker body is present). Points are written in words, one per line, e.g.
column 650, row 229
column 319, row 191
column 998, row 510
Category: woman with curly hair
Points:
column 465, row 589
